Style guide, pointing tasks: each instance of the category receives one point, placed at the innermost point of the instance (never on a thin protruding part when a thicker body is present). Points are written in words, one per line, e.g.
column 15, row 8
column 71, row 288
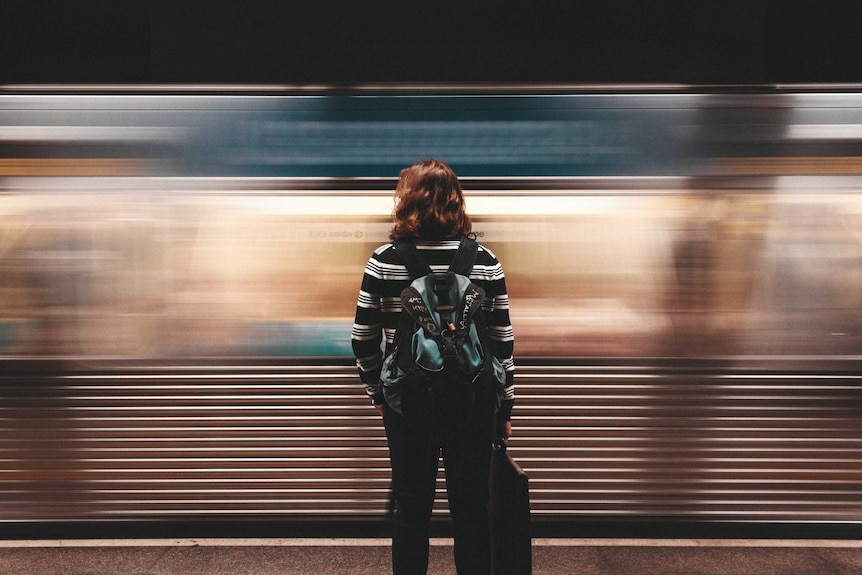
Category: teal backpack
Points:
column 441, row 341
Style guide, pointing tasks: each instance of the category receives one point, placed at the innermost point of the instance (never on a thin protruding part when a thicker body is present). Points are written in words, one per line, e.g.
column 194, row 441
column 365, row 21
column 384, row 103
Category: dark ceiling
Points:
column 343, row 42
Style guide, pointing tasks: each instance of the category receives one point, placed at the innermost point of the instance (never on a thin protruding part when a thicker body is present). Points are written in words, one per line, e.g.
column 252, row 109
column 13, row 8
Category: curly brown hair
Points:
column 429, row 203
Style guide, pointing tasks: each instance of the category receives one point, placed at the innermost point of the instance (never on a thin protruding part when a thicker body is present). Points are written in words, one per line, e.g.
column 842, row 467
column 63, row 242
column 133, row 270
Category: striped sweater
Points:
column 379, row 307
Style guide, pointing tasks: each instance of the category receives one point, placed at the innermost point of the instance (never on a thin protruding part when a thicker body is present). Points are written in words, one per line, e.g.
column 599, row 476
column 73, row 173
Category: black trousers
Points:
column 461, row 430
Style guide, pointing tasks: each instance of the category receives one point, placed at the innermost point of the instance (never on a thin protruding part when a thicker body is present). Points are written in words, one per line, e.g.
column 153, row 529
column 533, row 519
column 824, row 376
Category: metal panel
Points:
column 713, row 446
column 296, row 442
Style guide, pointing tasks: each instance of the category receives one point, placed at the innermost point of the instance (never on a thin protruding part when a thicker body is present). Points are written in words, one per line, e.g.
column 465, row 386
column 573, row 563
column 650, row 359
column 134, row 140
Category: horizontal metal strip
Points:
column 239, row 375
column 658, row 451
column 643, row 481
column 247, row 420
column 380, row 506
column 637, row 436
column 685, row 396
column 691, row 502
column 180, row 472
column 361, row 449
column 227, row 438
column 207, row 394
column 204, row 391
column 93, row 411
column 253, row 514
column 551, row 447
column 376, row 502
column 293, row 425
column 121, row 508
column 566, row 423
column 205, row 437
column 318, row 381
column 704, row 477
column 692, row 461
column 641, row 403
column 293, row 480
column 693, row 456
column 537, row 495
column 789, row 515
column 90, row 507
column 17, row 411
column 633, row 481
column 78, row 470
column 247, row 490
column 206, row 509
column 636, row 476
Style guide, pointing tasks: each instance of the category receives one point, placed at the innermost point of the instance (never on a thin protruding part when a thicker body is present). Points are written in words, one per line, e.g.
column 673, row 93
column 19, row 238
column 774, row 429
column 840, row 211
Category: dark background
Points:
column 350, row 42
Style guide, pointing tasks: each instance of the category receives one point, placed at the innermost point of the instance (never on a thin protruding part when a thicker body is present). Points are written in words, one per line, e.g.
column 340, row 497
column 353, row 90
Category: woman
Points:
column 430, row 212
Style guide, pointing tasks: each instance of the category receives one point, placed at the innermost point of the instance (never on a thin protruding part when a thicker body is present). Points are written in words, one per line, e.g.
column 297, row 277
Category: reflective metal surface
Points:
column 611, row 440
column 179, row 270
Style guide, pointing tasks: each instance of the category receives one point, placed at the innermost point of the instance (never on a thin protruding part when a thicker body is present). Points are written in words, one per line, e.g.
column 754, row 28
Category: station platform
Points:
column 371, row 556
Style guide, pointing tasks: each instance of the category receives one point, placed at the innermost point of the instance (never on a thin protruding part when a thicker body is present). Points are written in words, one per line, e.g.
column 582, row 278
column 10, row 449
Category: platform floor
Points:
column 371, row 557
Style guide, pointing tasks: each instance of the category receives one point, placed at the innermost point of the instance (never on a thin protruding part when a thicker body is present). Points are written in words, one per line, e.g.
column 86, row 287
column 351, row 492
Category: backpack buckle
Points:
column 447, row 343
column 442, row 283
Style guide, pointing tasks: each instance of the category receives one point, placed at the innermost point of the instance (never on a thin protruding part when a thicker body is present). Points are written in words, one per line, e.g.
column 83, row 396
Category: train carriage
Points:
column 683, row 265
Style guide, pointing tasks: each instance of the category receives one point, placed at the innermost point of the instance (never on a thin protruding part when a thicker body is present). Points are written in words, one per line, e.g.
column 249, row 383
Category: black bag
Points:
column 509, row 514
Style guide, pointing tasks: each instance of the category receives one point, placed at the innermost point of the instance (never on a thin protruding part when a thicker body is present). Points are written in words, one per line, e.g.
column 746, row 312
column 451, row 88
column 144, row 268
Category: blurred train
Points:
column 684, row 267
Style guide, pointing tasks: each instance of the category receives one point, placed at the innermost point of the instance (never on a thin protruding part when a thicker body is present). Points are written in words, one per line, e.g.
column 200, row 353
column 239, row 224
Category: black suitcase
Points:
column 509, row 512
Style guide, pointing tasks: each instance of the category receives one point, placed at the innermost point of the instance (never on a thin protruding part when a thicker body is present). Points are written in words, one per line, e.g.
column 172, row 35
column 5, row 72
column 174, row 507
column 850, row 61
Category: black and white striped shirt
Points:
column 379, row 308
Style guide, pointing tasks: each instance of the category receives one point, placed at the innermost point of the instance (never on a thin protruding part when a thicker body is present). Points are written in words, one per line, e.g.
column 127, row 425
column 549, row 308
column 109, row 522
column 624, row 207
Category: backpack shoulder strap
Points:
column 462, row 262
column 416, row 266
column 465, row 257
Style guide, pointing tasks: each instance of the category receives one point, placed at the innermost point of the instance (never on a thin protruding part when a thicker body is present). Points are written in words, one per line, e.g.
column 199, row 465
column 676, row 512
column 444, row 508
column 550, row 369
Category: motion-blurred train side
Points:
column 189, row 262
column 630, row 224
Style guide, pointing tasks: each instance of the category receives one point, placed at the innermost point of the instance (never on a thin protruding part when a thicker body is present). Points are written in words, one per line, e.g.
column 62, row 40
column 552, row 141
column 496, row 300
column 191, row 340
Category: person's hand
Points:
column 381, row 409
column 507, row 430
